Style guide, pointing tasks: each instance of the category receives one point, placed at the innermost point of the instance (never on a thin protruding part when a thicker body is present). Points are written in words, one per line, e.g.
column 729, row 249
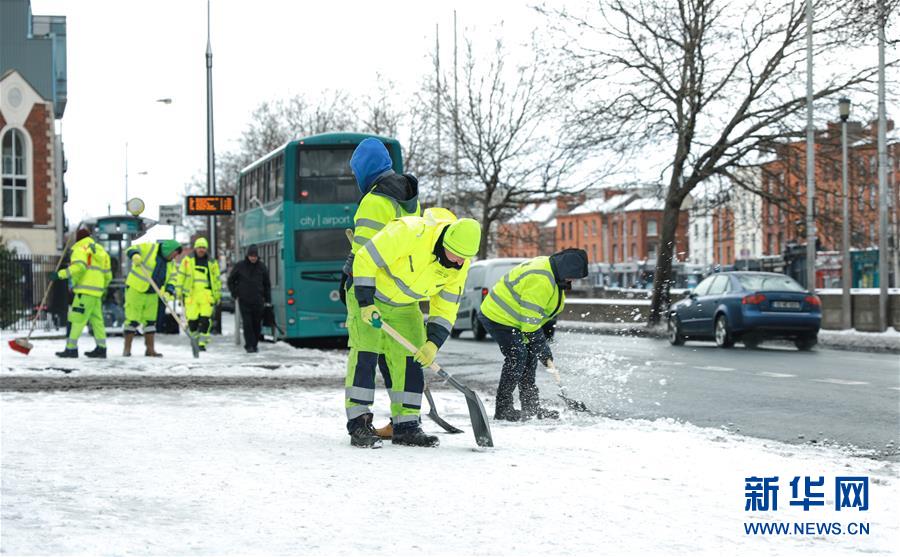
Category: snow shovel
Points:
column 573, row 404
column 480, row 426
column 24, row 345
column 195, row 343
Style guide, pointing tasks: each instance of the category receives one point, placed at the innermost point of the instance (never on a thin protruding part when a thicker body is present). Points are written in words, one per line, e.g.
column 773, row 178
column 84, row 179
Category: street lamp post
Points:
column 846, row 277
column 165, row 100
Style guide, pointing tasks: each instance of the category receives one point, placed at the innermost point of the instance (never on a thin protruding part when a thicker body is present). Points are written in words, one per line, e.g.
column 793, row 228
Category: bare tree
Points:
column 509, row 129
column 712, row 82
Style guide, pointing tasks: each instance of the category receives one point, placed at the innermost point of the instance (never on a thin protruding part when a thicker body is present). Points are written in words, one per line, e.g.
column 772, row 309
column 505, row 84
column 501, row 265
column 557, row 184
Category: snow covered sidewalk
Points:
column 270, row 472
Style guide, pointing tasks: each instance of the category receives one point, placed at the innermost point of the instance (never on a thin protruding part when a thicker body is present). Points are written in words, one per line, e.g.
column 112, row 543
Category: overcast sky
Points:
column 124, row 54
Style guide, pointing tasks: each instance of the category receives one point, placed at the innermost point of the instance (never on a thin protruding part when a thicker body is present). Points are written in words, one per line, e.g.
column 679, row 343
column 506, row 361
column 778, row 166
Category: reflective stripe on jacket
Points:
column 192, row 276
column 89, row 270
column 399, row 262
column 526, row 297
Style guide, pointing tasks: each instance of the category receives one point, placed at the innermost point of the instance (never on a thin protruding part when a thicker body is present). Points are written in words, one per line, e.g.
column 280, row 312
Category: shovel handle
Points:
column 411, row 348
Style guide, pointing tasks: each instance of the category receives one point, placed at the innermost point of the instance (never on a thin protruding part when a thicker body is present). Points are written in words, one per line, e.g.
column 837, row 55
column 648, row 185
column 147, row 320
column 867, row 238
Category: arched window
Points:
column 15, row 177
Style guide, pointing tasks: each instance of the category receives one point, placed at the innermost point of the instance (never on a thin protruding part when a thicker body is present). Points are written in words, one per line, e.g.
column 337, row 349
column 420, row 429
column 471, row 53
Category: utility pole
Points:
column 210, row 149
column 810, row 158
column 455, row 112
column 437, row 83
column 883, row 232
column 126, row 176
column 846, row 275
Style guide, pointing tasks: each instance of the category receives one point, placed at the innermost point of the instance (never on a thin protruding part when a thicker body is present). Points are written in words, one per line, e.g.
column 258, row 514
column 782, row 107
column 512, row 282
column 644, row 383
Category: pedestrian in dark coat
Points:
column 249, row 285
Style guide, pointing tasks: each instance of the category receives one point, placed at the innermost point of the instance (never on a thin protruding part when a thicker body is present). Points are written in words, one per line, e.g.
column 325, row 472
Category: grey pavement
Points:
column 825, row 396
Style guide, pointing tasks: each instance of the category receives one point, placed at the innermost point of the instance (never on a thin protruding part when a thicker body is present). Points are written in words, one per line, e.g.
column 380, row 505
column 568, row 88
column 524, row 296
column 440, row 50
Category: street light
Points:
column 846, row 278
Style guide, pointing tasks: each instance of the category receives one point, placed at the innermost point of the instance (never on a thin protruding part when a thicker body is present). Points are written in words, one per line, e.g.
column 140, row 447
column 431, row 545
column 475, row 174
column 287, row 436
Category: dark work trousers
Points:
column 251, row 318
column 520, row 357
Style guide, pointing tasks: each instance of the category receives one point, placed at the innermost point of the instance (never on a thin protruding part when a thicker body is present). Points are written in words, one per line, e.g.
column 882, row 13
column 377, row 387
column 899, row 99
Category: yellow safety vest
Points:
column 399, row 262
column 193, row 277
column 89, row 270
column 140, row 273
column 526, row 297
column 373, row 213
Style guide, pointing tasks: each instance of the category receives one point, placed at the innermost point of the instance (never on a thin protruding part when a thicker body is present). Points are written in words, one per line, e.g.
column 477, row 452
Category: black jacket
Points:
column 249, row 283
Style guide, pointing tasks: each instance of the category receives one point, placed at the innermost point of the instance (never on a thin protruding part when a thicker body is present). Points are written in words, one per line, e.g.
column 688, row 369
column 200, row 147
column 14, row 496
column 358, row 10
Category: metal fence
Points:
column 23, row 280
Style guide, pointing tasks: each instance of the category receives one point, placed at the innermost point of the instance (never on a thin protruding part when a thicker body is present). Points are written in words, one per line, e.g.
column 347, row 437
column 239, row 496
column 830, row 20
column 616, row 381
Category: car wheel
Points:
column 751, row 341
column 723, row 333
column 454, row 333
column 674, row 328
column 478, row 329
column 806, row 343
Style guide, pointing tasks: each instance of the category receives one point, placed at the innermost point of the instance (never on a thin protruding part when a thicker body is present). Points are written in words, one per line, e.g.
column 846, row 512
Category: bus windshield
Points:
column 324, row 176
column 329, row 244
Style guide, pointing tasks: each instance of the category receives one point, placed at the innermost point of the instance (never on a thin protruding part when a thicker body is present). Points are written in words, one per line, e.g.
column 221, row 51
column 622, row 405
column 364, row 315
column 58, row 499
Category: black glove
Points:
column 342, row 291
column 170, row 289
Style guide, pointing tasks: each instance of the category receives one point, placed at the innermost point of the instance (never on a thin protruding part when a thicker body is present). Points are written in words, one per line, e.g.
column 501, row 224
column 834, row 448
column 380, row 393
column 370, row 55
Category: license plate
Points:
column 786, row 305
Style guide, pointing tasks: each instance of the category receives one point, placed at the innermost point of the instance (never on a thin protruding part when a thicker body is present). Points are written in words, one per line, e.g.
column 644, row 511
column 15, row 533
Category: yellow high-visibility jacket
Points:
column 89, row 270
column 193, row 277
column 526, row 297
column 140, row 273
column 399, row 261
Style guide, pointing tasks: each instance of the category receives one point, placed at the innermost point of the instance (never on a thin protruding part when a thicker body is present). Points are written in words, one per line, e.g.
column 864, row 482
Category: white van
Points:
column 482, row 277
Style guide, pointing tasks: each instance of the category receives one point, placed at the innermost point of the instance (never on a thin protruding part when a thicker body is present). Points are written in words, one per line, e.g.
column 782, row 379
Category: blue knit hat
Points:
column 369, row 161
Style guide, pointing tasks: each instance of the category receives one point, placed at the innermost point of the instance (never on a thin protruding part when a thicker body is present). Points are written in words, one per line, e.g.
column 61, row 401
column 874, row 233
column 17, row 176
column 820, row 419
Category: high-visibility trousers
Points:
column 140, row 310
column 199, row 309
column 368, row 344
column 83, row 311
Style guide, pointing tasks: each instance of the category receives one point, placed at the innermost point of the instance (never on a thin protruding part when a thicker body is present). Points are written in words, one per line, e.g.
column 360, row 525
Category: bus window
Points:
column 324, row 176
column 278, row 177
column 329, row 244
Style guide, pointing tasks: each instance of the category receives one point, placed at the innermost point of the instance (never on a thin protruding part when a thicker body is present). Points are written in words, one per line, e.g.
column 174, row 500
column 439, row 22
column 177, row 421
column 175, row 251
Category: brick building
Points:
column 532, row 231
column 32, row 98
column 784, row 181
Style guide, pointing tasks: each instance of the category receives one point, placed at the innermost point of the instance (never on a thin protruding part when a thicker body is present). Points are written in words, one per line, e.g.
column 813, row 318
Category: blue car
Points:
column 747, row 307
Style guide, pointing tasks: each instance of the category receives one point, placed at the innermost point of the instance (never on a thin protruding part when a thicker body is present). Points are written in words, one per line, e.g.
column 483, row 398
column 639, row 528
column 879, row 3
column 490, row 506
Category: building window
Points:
column 584, row 226
column 651, row 250
column 562, row 231
column 615, row 253
column 571, row 233
column 634, row 228
column 634, row 253
column 651, row 227
column 594, row 252
column 593, row 228
column 15, row 177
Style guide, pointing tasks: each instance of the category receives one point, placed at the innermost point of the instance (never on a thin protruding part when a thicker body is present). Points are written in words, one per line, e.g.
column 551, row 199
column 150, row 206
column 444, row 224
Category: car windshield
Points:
column 782, row 283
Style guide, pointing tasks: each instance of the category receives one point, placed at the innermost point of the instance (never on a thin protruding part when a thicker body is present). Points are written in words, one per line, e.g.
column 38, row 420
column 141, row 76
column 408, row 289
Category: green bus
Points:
column 295, row 204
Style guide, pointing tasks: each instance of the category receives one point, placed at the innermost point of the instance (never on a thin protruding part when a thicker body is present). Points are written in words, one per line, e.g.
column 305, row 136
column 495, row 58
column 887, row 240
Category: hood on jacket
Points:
column 404, row 188
column 569, row 264
column 370, row 161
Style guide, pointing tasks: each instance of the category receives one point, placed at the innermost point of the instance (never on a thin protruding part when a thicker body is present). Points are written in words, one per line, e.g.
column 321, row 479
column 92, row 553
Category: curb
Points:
column 624, row 330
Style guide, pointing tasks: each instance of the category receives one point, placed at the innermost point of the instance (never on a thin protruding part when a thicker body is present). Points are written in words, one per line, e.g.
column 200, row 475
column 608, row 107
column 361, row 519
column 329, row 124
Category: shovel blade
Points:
column 432, row 413
column 477, row 415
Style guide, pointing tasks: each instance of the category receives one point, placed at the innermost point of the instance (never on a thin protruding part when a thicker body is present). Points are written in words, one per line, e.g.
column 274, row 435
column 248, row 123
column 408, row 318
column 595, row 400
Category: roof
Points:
column 535, row 212
column 646, row 204
column 599, row 205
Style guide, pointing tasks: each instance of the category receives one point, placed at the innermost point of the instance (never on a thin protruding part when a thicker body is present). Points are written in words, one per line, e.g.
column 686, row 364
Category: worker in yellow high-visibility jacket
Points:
column 409, row 260
column 148, row 261
column 200, row 286
column 89, row 274
column 386, row 196
column 514, row 312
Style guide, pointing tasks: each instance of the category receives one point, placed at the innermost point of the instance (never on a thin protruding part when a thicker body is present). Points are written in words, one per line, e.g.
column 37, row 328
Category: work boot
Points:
column 98, row 352
column 203, row 348
column 546, row 414
column 129, row 337
column 150, row 343
column 385, row 432
column 362, row 434
column 68, row 353
column 411, row 435
column 508, row 413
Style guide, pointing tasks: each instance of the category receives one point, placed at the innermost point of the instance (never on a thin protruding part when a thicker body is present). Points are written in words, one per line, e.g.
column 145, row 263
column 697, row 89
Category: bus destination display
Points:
column 210, row 205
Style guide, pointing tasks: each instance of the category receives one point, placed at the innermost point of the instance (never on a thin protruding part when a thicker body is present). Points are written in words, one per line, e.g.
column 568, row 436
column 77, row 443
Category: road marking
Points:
column 896, row 388
column 841, row 382
column 714, row 368
column 776, row 375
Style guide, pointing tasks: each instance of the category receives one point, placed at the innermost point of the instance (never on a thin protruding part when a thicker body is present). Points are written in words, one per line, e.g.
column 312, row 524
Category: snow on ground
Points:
column 270, row 471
